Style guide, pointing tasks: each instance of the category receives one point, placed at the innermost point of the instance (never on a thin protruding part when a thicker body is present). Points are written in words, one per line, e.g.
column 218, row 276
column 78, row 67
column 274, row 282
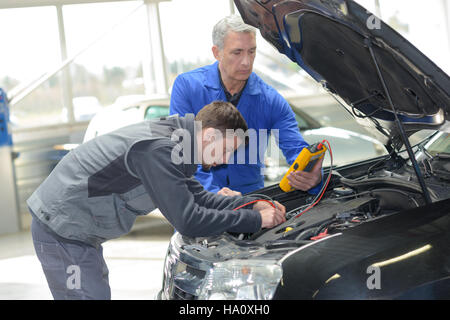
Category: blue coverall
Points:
column 261, row 106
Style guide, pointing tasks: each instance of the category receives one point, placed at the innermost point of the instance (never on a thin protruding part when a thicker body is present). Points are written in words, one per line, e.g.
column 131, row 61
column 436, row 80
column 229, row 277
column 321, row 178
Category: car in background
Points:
column 124, row 111
column 347, row 145
column 84, row 108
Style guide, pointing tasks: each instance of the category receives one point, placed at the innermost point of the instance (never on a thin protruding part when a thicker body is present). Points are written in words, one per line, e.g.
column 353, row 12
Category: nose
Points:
column 246, row 60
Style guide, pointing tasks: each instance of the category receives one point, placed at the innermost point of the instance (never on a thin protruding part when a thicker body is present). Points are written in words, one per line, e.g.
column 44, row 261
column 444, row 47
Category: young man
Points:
column 96, row 191
column 231, row 79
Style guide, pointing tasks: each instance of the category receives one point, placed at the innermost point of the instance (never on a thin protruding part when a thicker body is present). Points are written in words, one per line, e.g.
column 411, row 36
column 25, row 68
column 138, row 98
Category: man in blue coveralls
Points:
column 231, row 79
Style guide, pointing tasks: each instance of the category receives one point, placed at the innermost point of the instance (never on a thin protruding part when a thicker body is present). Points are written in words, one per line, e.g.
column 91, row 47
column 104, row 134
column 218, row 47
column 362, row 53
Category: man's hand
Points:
column 270, row 216
column 302, row 180
column 261, row 205
column 228, row 192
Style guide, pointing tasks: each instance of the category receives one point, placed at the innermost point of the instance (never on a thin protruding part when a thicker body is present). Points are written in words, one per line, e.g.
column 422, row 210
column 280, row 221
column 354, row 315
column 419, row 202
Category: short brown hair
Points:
column 221, row 115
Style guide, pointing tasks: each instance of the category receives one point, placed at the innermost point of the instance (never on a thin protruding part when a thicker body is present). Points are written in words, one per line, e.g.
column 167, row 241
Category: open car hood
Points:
column 330, row 40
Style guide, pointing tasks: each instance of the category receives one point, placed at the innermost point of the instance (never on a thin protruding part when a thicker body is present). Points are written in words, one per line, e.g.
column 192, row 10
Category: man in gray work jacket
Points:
column 97, row 190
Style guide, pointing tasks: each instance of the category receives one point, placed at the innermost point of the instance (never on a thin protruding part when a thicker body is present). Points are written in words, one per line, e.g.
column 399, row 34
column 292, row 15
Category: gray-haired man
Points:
column 265, row 110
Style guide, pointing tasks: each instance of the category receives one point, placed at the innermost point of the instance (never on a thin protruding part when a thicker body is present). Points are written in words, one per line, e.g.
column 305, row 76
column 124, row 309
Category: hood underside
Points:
column 330, row 40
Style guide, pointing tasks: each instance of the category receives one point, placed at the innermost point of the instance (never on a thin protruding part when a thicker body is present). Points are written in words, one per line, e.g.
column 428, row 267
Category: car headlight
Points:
column 241, row 280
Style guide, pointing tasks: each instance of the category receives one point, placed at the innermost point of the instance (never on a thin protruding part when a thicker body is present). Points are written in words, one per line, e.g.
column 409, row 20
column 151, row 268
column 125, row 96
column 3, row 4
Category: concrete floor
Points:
column 135, row 263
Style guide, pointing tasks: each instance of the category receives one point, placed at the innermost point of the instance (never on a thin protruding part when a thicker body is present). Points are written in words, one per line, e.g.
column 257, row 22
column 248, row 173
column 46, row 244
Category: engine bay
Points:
column 357, row 198
column 357, row 194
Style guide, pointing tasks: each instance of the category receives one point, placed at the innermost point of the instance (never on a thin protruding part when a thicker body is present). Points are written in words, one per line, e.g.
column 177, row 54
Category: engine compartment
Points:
column 377, row 190
column 357, row 195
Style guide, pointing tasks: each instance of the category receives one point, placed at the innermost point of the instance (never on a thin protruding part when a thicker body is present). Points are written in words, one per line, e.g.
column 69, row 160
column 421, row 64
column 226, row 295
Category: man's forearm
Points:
column 212, row 200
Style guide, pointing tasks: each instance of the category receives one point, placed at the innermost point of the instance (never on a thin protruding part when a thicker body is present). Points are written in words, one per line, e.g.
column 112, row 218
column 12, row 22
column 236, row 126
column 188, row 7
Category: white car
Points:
column 125, row 111
column 347, row 145
column 84, row 108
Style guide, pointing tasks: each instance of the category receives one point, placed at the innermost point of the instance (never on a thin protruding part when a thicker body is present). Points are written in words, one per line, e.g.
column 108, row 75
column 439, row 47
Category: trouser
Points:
column 73, row 270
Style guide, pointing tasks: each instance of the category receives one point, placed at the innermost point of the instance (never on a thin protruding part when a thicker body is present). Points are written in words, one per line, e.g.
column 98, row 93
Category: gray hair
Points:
column 229, row 23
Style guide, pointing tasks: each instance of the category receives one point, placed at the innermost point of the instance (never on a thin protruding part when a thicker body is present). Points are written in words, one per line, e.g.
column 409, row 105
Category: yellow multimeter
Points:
column 305, row 161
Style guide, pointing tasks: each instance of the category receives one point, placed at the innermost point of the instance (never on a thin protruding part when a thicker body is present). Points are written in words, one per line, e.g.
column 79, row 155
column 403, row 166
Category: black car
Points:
column 381, row 229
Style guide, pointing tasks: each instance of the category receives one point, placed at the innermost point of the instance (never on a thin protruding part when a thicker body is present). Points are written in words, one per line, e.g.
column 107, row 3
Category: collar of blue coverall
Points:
column 212, row 80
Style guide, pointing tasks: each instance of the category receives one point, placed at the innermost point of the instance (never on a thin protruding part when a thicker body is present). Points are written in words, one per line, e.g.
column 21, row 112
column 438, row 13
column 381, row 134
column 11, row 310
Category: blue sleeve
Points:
column 206, row 179
column 289, row 138
column 180, row 98
column 180, row 103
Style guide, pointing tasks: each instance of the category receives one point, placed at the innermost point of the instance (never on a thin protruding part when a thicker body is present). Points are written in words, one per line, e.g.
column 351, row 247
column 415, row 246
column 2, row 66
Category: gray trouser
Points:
column 74, row 270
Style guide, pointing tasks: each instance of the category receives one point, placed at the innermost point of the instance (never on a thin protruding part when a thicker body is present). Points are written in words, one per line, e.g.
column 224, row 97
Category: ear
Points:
column 216, row 52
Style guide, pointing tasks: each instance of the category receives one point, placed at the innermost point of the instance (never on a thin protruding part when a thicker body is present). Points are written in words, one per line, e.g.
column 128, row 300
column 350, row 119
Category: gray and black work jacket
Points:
column 98, row 189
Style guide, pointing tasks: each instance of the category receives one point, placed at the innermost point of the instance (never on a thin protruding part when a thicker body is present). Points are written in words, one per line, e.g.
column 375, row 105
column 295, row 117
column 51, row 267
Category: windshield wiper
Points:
column 403, row 135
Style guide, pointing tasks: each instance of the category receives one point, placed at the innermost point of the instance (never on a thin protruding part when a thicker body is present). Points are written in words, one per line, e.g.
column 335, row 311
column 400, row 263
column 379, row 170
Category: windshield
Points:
column 419, row 137
column 439, row 145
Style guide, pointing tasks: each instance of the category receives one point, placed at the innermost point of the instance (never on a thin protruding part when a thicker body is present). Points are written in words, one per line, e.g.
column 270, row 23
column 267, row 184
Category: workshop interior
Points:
column 366, row 84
